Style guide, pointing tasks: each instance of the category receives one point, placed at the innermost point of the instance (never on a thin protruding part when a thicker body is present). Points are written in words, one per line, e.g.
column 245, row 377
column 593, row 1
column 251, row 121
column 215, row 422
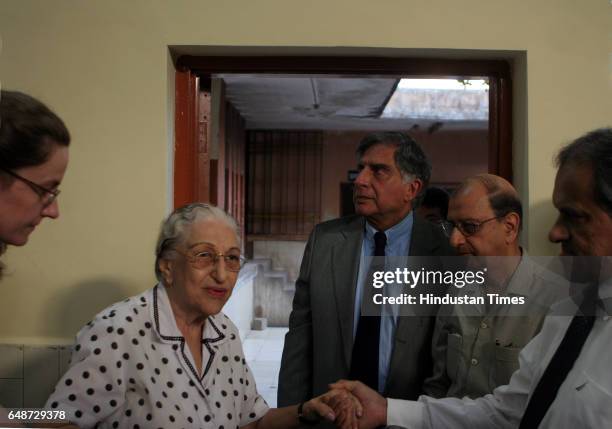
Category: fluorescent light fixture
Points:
column 467, row 84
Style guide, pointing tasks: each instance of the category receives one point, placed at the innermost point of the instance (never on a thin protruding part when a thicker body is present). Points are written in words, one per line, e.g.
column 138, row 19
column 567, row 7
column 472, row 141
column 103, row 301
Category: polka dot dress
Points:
column 131, row 368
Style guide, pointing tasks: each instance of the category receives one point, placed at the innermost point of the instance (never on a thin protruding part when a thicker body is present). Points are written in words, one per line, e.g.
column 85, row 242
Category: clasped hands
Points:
column 350, row 405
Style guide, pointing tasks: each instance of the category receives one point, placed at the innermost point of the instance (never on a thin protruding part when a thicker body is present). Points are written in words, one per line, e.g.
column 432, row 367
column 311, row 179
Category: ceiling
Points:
column 345, row 103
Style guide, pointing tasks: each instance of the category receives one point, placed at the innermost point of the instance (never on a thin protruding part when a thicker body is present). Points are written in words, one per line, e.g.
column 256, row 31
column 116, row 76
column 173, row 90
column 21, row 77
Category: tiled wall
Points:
column 28, row 374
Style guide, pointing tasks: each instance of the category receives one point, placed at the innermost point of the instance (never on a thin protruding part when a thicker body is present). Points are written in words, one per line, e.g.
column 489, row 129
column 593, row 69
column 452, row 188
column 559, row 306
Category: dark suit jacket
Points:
column 319, row 343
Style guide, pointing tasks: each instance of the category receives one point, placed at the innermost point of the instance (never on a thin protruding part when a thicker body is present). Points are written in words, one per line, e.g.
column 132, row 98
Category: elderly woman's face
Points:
column 204, row 287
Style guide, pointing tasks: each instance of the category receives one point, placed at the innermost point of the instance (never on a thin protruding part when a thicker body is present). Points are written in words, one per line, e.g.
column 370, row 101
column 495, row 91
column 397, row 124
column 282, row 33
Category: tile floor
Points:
column 263, row 351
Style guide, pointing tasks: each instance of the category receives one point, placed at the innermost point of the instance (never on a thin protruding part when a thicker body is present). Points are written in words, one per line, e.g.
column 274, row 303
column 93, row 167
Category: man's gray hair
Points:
column 409, row 157
column 174, row 227
column 594, row 149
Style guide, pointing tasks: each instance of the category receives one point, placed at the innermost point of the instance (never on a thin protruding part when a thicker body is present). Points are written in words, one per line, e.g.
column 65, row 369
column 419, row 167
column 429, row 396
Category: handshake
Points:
column 349, row 405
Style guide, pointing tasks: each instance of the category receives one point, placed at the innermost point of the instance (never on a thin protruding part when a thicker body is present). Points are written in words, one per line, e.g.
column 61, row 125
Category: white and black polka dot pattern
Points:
column 131, row 368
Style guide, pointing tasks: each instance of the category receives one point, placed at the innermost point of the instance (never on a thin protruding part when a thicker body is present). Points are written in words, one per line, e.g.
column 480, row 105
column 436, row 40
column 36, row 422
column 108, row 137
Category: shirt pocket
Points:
column 591, row 402
column 506, row 362
column 454, row 355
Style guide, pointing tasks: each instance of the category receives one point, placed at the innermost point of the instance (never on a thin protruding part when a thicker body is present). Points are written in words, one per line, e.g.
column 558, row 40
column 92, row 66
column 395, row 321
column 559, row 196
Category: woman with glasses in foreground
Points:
column 168, row 357
column 33, row 158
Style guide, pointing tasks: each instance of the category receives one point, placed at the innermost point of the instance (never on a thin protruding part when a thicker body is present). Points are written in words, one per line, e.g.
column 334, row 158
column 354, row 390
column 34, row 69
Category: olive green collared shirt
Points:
column 475, row 353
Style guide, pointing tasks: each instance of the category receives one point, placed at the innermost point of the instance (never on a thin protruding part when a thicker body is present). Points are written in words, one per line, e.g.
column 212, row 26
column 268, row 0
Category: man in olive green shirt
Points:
column 475, row 349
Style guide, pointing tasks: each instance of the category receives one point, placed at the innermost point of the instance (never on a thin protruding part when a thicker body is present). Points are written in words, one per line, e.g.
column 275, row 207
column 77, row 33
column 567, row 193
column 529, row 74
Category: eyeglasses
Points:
column 466, row 228
column 205, row 257
column 47, row 195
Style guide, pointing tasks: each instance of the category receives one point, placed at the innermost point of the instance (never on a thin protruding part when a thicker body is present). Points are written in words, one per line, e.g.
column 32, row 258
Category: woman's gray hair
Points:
column 173, row 228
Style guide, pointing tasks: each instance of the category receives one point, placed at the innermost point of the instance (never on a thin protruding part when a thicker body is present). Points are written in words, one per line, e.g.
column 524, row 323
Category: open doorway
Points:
column 196, row 179
column 272, row 141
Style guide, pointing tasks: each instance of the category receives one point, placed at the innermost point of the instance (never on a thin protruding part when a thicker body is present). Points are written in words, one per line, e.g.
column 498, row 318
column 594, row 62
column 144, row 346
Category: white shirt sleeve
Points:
column 502, row 409
column 408, row 414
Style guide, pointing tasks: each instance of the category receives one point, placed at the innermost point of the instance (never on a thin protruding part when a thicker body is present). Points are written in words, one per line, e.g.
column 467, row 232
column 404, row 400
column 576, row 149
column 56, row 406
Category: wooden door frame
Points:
column 190, row 68
column 185, row 137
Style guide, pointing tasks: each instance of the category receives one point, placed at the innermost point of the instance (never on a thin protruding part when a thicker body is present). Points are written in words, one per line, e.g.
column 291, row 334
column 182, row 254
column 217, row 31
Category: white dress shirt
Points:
column 584, row 399
column 131, row 368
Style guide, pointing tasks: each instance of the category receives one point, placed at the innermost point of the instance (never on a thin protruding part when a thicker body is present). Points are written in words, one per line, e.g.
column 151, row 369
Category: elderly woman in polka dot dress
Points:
column 168, row 358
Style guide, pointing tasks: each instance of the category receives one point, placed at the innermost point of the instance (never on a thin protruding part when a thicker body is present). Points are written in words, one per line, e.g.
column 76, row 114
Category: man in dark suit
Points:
column 328, row 336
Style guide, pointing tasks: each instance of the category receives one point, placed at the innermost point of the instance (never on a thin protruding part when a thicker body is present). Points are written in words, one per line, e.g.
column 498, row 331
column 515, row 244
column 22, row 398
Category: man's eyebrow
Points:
column 465, row 220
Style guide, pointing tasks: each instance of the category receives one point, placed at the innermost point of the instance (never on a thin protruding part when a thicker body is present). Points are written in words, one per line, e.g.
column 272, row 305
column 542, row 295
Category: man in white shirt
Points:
column 564, row 381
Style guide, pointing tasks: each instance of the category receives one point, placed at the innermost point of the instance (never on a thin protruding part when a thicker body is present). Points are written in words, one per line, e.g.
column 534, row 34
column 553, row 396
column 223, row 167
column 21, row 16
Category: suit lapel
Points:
column 345, row 257
column 422, row 241
column 421, row 244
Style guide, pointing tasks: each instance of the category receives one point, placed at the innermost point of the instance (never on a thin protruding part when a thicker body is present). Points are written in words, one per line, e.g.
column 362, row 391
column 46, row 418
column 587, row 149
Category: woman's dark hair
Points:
column 28, row 131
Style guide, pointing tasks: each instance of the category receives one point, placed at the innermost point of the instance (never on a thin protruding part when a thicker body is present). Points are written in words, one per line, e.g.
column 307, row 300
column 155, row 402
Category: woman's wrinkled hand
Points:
column 346, row 406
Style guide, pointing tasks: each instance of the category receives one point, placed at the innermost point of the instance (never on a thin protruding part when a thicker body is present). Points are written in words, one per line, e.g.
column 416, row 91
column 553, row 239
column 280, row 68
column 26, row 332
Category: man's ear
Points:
column 166, row 269
column 511, row 226
column 413, row 189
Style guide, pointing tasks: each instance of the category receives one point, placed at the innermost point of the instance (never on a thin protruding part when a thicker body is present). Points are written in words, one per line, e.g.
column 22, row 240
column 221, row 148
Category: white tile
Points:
column 244, row 333
column 11, row 393
column 277, row 346
column 277, row 333
column 41, row 373
column 265, row 372
column 270, row 396
column 251, row 350
column 263, row 351
column 269, row 354
column 11, row 361
column 258, row 334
